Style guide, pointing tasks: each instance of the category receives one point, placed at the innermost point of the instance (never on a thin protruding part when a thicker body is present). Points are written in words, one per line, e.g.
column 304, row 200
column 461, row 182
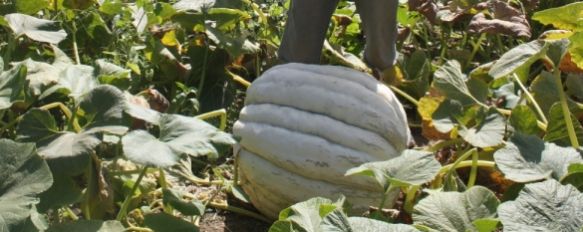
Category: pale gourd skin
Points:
column 304, row 126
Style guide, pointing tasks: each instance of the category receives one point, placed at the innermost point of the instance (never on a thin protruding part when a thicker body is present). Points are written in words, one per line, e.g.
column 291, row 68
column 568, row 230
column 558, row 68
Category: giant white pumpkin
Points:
column 303, row 126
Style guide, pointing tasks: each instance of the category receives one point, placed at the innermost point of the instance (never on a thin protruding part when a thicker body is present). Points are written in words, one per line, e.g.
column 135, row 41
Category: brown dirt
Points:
column 223, row 221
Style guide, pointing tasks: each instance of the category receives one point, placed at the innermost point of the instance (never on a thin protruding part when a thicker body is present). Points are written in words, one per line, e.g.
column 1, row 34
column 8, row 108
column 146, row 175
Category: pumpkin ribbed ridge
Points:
column 272, row 189
column 340, row 99
column 303, row 126
column 309, row 123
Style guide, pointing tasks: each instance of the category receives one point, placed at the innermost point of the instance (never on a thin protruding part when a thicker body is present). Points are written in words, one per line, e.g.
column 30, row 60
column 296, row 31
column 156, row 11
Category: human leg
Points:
column 379, row 19
column 305, row 30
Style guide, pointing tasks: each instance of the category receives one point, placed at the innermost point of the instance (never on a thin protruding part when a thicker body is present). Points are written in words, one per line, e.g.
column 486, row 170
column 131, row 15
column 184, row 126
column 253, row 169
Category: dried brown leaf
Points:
column 506, row 20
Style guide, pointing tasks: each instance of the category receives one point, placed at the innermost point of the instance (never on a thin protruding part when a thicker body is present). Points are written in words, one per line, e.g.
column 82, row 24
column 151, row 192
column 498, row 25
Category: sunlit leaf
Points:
column 23, row 175
column 410, row 168
column 565, row 17
column 454, row 211
column 520, row 56
column 162, row 222
column 544, row 206
column 178, row 135
column 89, row 226
column 12, row 83
column 31, row 6
column 450, row 81
column 34, row 28
column 527, row 159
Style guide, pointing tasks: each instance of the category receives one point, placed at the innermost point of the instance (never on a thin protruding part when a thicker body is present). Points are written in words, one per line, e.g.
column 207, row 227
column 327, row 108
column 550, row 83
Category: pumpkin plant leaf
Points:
column 528, row 158
column 410, row 168
column 576, row 48
column 575, row 176
column 520, row 56
column 544, row 206
column 557, row 128
column 30, row 6
column 23, row 175
column 455, row 211
column 178, row 135
column 189, row 208
column 488, row 133
column 450, row 81
column 162, row 222
column 102, row 109
column 12, row 84
column 524, row 120
column 89, row 226
column 362, row 224
column 40, row 30
column 565, row 17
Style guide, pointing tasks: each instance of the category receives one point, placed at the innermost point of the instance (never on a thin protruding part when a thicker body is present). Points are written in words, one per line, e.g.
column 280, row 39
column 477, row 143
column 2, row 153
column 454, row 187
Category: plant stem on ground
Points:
column 565, row 108
column 126, row 203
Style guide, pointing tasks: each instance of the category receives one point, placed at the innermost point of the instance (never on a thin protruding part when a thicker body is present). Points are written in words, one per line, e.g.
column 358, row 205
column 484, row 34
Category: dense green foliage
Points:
column 113, row 111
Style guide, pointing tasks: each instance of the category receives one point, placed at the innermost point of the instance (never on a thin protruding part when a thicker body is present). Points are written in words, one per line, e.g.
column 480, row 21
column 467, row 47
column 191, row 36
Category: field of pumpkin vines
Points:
column 118, row 115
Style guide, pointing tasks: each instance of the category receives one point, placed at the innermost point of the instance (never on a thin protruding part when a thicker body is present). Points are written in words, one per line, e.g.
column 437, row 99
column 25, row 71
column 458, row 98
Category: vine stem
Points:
column 530, row 98
column 565, row 108
column 384, row 197
column 126, row 203
column 404, row 95
column 75, row 47
column 476, row 47
column 203, row 72
column 410, row 198
column 240, row 79
column 474, row 170
column 463, row 157
column 222, row 113
column 241, row 211
column 469, row 163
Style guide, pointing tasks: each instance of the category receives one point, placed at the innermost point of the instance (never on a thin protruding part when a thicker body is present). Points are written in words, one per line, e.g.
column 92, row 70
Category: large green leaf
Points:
column 361, row 224
column 178, row 135
column 575, row 176
column 235, row 46
column 78, row 80
column 454, row 211
column 545, row 92
column 193, row 5
column 451, row 82
column 40, row 127
column 40, row 30
column 576, row 48
column 23, row 175
column 557, row 128
column 524, row 120
column 12, row 84
column 162, row 222
column 488, row 133
column 189, row 208
column 320, row 215
column 78, row 4
column 528, row 158
column 89, row 226
column 39, row 74
column 567, row 17
column 102, row 110
column 103, row 107
column 412, row 167
column 518, row 57
column 31, row 6
column 544, row 206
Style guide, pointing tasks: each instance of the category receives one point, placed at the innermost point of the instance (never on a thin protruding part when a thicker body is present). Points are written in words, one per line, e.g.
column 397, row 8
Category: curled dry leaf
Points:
column 426, row 7
column 156, row 100
column 506, row 20
column 567, row 65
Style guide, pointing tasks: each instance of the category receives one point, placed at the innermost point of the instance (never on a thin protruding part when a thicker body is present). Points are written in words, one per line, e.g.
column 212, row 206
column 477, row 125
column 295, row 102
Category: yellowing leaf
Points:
column 428, row 105
column 565, row 17
column 576, row 48
column 555, row 35
column 169, row 39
